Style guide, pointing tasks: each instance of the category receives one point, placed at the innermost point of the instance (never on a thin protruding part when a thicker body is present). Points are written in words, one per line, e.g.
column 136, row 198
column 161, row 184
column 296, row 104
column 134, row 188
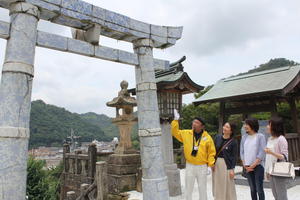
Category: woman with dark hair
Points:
column 223, row 171
column 253, row 156
column 277, row 149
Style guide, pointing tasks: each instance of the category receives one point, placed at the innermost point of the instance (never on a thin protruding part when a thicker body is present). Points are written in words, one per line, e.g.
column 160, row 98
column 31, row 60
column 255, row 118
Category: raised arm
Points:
column 175, row 130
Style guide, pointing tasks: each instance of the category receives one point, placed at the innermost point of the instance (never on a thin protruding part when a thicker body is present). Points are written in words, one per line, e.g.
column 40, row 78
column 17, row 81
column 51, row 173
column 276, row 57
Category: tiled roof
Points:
column 265, row 82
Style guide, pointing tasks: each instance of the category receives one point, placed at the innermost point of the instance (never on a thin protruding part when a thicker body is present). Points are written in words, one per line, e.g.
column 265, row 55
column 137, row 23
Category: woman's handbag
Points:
column 283, row 169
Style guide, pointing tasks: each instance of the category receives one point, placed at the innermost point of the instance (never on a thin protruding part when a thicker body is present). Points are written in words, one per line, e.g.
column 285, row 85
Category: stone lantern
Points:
column 123, row 165
column 124, row 119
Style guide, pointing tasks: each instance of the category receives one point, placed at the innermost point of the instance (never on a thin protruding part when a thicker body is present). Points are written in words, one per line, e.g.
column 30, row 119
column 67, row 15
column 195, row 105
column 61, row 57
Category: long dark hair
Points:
column 277, row 128
column 233, row 128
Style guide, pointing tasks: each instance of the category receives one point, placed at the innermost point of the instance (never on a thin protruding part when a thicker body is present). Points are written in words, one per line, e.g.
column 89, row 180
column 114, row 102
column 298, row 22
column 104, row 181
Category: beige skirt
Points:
column 223, row 186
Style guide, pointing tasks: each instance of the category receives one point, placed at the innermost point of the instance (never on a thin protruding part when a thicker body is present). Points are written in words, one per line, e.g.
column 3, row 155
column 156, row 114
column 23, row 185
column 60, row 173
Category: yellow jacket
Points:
column 206, row 152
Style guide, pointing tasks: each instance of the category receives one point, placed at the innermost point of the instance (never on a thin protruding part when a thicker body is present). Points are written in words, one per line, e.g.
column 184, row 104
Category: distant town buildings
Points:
column 53, row 155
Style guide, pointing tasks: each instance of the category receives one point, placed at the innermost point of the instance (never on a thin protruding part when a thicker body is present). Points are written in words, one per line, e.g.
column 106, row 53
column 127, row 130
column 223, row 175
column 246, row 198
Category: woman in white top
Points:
column 253, row 156
column 277, row 149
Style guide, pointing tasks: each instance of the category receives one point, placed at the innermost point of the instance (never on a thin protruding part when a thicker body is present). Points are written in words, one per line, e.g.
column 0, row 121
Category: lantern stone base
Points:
column 125, row 160
column 121, row 183
column 122, row 172
column 173, row 175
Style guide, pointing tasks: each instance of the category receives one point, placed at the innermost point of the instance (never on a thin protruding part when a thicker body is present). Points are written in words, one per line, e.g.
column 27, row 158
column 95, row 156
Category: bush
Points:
column 42, row 184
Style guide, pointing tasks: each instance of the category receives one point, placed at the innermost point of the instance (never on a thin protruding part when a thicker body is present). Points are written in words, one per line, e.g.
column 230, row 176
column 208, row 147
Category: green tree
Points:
column 53, row 179
column 272, row 64
column 37, row 186
column 208, row 112
column 42, row 184
column 50, row 125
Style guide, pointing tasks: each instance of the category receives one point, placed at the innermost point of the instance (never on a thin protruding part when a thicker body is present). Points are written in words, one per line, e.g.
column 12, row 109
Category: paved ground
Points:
column 243, row 192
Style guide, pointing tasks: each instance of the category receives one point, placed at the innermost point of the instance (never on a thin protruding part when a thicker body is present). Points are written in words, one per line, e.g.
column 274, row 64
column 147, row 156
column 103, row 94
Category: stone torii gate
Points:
column 18, row 71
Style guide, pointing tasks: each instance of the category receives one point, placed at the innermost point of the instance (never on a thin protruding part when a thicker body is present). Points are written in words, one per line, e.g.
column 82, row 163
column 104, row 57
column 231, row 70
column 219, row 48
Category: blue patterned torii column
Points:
column 154, row 180
column 15, row 99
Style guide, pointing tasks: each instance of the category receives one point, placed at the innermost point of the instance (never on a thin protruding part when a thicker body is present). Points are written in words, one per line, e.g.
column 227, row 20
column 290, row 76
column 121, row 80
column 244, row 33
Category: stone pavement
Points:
column 243, row 192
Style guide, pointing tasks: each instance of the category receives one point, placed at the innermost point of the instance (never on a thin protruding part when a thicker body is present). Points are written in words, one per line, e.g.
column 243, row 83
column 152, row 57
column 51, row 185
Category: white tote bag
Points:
column 284, row 169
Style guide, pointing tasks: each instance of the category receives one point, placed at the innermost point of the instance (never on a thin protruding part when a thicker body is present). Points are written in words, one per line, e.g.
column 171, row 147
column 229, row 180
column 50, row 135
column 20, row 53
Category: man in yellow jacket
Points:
column 199, row 152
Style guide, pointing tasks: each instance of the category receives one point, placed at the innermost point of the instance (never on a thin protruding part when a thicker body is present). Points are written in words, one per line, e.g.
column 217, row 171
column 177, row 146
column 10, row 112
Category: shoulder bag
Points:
column 283, row 168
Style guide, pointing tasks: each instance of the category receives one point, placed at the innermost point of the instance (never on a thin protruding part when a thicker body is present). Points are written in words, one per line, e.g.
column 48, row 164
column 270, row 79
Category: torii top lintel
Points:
column 81, row 15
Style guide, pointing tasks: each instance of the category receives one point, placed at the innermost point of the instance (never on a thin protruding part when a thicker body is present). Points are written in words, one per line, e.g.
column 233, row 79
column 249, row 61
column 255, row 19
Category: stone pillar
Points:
column 15, row 100
column 172, row 171
column 125, row 145
column 154, row 180
column 66, row 149
column 92, row 153
column 101, row 179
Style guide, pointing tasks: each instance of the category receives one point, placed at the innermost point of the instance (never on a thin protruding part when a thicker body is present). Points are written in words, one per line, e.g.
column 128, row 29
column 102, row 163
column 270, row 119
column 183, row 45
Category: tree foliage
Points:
column 37, row 185
column 42, row 183
column 208, row 112
column 50, row 125
column 101, row 121
column 272, row 64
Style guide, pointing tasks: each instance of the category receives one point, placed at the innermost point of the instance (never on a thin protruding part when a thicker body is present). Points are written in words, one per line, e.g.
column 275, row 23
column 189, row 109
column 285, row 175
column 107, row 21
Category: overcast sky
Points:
column 220, row 38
